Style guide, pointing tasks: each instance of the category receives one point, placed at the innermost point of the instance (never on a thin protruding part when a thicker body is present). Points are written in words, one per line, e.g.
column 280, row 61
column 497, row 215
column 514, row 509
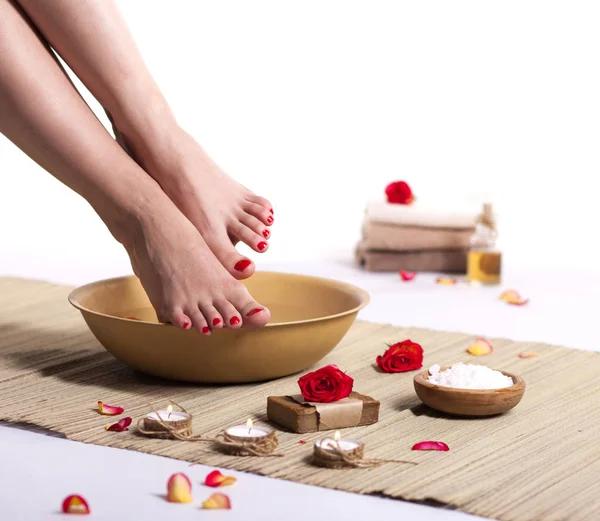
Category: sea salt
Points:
column 469, row 376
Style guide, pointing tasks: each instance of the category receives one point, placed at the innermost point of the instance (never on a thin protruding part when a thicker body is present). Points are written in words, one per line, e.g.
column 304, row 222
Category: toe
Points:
column 260, row 212
column 237, row 265
column 199, row 321
column 232, row 318
column 252, row 223
column 214, row 318
column 180, row 319
column 254, row 240
column 257, row 199
column 254, row 315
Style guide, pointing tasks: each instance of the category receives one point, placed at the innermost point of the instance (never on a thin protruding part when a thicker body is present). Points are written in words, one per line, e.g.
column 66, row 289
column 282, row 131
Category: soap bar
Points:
column 302, row 418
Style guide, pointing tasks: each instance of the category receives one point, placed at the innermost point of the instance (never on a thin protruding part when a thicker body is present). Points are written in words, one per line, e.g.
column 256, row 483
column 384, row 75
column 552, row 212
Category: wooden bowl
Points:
column 309, row 316
column 469, row 402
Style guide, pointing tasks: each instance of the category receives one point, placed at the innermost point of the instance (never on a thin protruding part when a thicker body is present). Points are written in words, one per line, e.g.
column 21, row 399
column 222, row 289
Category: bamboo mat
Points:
column 541, row 461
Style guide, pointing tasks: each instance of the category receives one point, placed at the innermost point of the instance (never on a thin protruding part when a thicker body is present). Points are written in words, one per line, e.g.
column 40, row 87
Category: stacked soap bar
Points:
column 415, row 238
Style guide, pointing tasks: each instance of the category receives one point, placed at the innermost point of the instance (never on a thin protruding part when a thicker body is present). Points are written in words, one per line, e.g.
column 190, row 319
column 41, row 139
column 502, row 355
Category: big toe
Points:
column 254, row 315
column 237, row 265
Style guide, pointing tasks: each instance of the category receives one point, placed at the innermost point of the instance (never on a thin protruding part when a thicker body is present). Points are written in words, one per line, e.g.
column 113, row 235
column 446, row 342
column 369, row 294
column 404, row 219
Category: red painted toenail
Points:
column 270, row 220
column 234, row 321
column 254, row 312
column 216, row 321
column 242, row 265
column 271, row 210
column 206, row 330
column 185, row 325
column 261, row 245
column 266, row 234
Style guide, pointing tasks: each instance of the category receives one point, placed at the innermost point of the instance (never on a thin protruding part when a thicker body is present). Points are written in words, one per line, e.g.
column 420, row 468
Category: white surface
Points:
column 39, row 471
column 317, row 105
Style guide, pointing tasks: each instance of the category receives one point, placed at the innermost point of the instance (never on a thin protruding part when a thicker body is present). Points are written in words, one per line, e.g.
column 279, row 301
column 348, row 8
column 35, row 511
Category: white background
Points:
column 318, row 104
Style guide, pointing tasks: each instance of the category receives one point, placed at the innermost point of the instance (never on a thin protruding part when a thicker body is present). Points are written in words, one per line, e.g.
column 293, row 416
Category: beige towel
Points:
column 382, row 236
column 440, row 261
column 419, row 214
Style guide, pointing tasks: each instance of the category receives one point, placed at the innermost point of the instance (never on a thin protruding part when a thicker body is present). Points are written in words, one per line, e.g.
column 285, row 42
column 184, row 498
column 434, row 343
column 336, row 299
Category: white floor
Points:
column 39, row 470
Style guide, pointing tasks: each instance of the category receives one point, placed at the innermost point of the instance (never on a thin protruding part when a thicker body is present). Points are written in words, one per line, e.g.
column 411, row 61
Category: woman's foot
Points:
column 221, row 209
column 184, row 281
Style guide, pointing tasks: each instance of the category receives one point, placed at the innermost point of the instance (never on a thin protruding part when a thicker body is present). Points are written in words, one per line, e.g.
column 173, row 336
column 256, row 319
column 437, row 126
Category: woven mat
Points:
column 540, row 461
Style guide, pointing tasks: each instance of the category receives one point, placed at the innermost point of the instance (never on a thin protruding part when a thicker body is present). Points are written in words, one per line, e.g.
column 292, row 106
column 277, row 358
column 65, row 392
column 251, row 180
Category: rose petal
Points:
column 109, row 410
column 75, row 504
column 217, row 501
column 179, row 489
column 446, row 281
column 481, row 347
column 407, row 275
column 216, row 479
column 513, row 297
column 527, row 355
column 302, row 442
column 431, row 445
column 122, row 425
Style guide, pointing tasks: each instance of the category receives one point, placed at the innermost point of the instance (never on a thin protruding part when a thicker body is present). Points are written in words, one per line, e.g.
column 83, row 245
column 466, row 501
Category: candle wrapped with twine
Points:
column 334, row 457
column 249, row 445
column 156, row 427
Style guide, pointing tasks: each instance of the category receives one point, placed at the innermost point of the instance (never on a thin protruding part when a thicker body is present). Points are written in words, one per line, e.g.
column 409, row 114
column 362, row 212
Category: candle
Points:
column 247, row 431
column 337, row 452
column 169, row 415
column 247, row 440
column 332, row 445
column 167, row 423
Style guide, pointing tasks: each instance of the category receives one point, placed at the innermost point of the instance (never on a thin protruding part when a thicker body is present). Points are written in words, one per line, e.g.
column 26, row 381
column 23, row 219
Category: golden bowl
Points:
column 469, row 402
column 309, row 316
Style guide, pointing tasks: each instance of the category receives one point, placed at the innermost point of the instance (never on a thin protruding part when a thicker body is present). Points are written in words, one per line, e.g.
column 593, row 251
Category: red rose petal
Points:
column 302, row 442
column 109, row 410
column 179, row 489
column 122, row 425
column 431, row 445
column 407, row 275
column 217, row 501
column 401, row 357
column 216, row 479
column 75, row 504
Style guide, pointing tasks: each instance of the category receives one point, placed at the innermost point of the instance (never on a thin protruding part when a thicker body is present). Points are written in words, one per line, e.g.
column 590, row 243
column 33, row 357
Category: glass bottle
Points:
column 484, row 260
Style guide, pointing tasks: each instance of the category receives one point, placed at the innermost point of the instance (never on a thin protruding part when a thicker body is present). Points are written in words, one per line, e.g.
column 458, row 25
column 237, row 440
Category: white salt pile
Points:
column 469, row 376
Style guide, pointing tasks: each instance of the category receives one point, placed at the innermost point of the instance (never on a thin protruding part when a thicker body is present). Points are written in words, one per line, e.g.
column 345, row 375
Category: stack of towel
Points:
column 415, row 238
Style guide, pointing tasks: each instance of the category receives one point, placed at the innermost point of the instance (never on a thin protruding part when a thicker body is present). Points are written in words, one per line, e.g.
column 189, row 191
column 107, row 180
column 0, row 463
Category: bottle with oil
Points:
column 484, row 260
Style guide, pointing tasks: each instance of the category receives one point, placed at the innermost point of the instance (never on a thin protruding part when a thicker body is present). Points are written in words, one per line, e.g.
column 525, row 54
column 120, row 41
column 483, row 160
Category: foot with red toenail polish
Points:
column 222, row 210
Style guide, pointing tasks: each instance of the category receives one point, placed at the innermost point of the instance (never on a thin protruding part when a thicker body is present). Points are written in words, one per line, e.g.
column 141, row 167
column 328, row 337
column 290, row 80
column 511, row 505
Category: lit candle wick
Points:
column 169, row 410
column 249, row 425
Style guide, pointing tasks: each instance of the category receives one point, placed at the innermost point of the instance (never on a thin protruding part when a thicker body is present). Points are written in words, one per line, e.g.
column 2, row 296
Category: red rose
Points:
column 324, row 385
column 401, row 357
column 399, row 192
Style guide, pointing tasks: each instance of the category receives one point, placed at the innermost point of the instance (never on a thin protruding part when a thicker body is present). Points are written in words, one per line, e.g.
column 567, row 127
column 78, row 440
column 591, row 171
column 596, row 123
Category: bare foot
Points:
column 221, row 209
column 185, row 282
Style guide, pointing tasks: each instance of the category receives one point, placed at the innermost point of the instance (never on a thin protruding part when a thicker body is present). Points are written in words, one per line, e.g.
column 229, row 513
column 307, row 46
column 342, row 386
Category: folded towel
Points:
column 418, row 214
column 441, row 261
column 383, row 236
